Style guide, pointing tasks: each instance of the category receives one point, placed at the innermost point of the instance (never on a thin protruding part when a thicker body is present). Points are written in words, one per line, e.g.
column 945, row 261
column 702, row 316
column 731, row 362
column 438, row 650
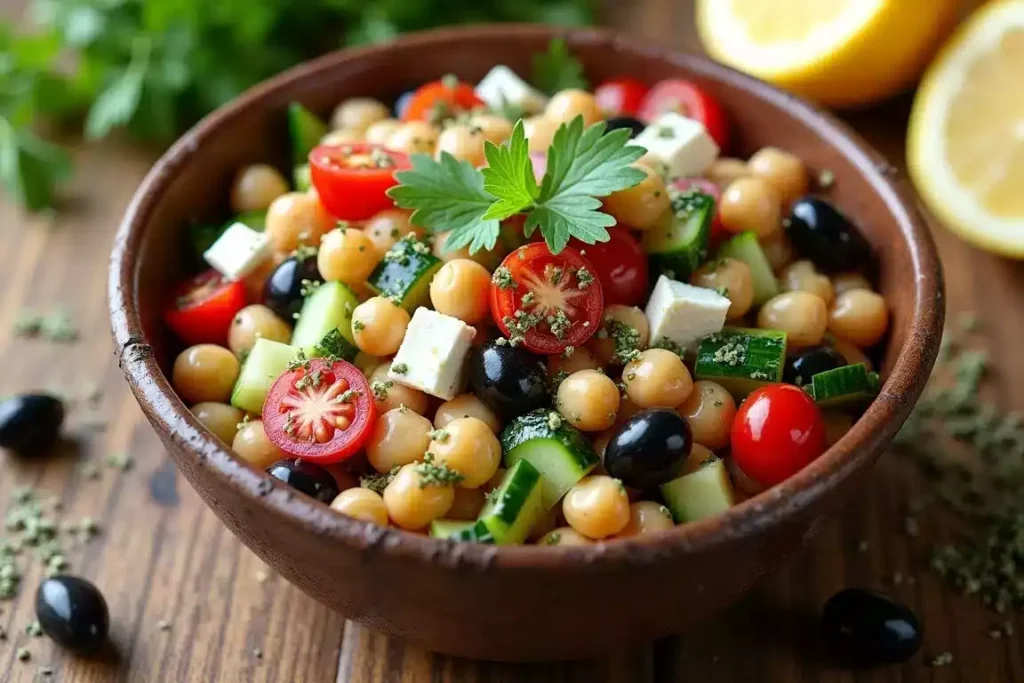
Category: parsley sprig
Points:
column 583, row 164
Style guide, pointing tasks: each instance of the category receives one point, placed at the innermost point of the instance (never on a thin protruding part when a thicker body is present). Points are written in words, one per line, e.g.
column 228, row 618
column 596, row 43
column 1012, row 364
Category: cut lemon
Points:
column 838, row 52
column 965, row 147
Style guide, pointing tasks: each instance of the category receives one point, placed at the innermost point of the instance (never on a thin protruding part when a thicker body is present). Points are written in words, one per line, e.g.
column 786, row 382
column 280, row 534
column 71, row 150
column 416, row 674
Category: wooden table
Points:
column 189, row 603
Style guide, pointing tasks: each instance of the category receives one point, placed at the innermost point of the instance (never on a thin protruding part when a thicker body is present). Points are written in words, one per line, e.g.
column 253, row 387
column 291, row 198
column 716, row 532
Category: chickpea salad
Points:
column 501, row 315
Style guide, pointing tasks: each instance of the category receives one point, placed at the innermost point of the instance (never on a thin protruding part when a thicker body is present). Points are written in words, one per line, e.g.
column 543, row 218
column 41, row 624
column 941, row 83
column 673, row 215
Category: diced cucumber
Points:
column 704, row 493
column 405, row 273
column 742, row 360
column 265, row 363
column 301, row 178
column 476, row 533
column 555, row 448
column 515, row 506
column 848, row 386
column 678, row 248
column 446, row 528
column 745, row 247
column 334, row 344
column 257, row 220
column 328, row 308
column 305, row 129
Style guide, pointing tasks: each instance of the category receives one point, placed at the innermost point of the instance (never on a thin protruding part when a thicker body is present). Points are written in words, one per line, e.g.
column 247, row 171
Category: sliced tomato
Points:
column 620, row 264
column 620, row 96
column 690, row 100
column 440, row 100
column 203, row 308
column 545, row 300
column 352, row 179
column 704, row 185
column 320, row 411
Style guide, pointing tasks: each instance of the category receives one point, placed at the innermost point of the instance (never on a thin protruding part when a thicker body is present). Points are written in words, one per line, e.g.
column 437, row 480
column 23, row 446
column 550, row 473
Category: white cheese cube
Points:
column 681, row 144
column 238, row 252
column 682, row 314
column 433, row 354
column 503, row 86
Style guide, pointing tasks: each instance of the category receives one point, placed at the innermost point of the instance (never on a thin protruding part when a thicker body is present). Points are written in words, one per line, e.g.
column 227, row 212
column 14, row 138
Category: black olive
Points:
column 282, row 292
column 306, row 477
column 649, row 448
column 73, row 612
column 510, row 380
column 807, row 363
column 823, row 234
column 30, row 423
column 865, row 628
column 635, row 126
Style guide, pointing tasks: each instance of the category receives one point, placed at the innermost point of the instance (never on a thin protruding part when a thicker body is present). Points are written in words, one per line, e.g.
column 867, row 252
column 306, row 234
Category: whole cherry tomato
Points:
column 202, row 308
column 352, row 179
column 690, row 100
column 621, row 266
column 620, row 96
column 440, row 100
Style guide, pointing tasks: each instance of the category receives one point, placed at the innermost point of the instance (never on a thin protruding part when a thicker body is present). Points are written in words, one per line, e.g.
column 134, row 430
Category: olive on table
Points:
column 823, row 234
column 283, row 291
column 510, row 380
column 634, row 126
column 649, row 448
column 306, row 477
column 72, row 612
column 866, row 628
column 808, row 362
column 30, row 422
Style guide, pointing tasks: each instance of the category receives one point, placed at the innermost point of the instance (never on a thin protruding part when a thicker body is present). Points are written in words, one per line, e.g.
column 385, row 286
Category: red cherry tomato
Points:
column 352, row 179
column 620, row 96
column 539, row 286
column 320, row 411
column 690, row 100
column 203, row 308
column 620, row 264
column 777, row 432
column 441, row 99
column 704, row 185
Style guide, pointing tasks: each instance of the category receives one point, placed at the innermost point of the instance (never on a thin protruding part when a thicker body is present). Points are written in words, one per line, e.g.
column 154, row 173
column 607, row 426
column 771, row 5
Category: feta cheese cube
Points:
column 238, row 252
column 503, row 86
column 681, row 144
column 682, row 314
column 433, row 354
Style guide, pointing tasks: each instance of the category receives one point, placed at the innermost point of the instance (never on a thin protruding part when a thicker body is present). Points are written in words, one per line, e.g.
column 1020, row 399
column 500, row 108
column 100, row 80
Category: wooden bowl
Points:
column 514, row 603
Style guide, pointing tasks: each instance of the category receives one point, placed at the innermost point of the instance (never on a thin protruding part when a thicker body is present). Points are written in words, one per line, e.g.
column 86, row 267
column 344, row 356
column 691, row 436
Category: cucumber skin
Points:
column 521, row 506
column 745, row 247
column 476, row 533
column 849, row 386
column 305, row 130
column 680, row 261
column 738, row 380
column 405, row 272
column 334, row 344
column 681, row 503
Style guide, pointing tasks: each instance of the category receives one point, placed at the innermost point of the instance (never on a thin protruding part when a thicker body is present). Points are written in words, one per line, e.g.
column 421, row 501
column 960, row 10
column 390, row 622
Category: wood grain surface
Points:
column 189, row 603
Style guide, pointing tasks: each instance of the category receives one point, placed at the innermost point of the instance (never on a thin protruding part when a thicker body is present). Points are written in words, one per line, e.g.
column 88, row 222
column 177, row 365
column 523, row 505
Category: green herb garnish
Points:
column 557, row 69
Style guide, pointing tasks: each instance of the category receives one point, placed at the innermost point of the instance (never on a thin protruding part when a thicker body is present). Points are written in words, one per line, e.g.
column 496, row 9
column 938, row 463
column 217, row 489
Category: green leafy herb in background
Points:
column 557, row 69
column 154, row 67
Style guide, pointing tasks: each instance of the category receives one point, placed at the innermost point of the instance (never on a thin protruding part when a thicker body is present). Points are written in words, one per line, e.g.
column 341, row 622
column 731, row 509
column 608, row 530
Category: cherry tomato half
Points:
column 620, row 96
column 777, row 432
column 620, row 264
column 690, row 100
column 352, row 179
column 704, row 185
column 203, row 308
column 540, row 298
column 320, row 411
column 441, row 99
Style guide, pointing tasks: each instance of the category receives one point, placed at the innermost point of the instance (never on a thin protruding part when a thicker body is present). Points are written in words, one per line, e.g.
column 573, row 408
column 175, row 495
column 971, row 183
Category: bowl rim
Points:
column 860, row 447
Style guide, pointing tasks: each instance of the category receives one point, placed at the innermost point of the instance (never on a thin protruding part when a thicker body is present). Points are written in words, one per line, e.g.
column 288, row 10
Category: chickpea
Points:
column 462, row 142
column 360, row 503
column 467, row 505
column 859, row 316
column 615, row 340
column 342, row 136
column 205, row 372
column 255, row 187
column 844, row 282
column 495, row 129
column 836, row 426
column 219, row 418
column 540, row 131
column 398, row 438
column 297, row 218
column 358, row 113
column 256, row 322
column 347, row 255
column 733, row 278
column 646, row 517
column 563, row 536
column 378, row 326
column 597, row 507
column 657, row 379
column 851, row 353
column 379, row 132
column 784, row 171
column 389, row 226
column 710, row 410
column 342, row 476
column 751, row 204
column 252, row 445
column 367, row 363
column 641, row 206
column 465, row 405
column 461, row 289
column 414, row 137
column 468, row 446
column 778, row 250
column 489, row 259
column 801, row 315
column 568, row 104
column 581, row 359
column 589, row 400
column 394, row 395
column 801, row 276
column 699, row 455
column 411, row 503
column 725, row 170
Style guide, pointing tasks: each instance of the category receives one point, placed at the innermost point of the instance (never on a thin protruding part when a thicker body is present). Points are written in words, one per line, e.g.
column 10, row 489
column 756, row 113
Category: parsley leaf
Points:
column 30, row 168
column 557, row 69
column 509, row 175
column 118, row 103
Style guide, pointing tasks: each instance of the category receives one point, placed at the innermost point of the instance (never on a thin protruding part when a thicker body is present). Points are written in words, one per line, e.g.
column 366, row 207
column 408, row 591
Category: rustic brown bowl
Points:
column 515, row 603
